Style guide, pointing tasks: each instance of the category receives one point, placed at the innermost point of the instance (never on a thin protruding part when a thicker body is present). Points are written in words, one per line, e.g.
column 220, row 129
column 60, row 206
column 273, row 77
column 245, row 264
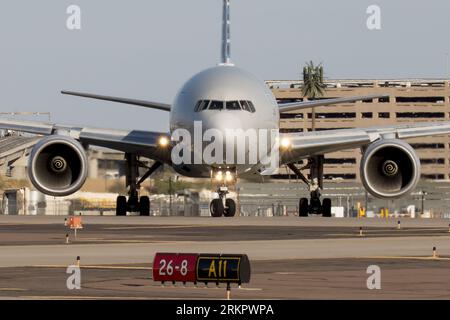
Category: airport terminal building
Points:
column 409, row 101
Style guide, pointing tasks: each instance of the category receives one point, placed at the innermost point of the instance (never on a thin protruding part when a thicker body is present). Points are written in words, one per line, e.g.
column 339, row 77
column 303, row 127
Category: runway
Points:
column 291, row 257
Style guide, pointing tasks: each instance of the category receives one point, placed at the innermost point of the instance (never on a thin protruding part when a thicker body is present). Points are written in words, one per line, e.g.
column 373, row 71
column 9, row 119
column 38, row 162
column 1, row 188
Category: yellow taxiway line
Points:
column 12, row 289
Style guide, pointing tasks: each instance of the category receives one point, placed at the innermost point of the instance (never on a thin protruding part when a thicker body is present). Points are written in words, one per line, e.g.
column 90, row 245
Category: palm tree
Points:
column 313, row 85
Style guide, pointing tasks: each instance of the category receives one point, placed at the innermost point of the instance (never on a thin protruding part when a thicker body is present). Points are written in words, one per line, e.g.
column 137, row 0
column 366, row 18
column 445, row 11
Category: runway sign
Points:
column 187, row 267
column 175, row 267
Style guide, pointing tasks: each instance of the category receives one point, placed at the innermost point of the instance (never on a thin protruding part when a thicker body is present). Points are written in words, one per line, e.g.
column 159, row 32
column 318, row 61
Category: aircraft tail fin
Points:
column 226, row 35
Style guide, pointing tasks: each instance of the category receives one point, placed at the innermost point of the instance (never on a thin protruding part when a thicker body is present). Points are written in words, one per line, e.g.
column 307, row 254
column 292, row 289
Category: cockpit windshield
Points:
column 227, row 105
column 247, row 106
column 232, row 105
column 215, row 105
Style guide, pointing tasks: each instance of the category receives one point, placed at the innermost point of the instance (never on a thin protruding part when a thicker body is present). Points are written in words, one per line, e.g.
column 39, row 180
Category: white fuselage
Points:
column 223, row 83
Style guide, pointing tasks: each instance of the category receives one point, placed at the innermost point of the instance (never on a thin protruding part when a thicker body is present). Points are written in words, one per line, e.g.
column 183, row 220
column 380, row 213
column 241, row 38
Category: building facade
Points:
column 409, row 101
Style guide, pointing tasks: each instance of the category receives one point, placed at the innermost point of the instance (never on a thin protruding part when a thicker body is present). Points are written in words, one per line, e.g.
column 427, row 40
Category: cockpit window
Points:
column 247, row 106
column 252, row 107
column 216, row 105
column 204, row 105
column 244, row 105
column 197, row 106
column 229, row 105
column 233, row 105
column 201, row 105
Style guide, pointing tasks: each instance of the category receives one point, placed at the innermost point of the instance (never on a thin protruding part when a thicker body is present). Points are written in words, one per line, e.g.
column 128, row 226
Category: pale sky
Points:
column 146, row 49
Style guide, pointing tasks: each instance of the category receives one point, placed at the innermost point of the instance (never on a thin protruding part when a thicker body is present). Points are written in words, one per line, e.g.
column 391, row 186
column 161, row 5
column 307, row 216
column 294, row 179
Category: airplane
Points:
column 222, row 97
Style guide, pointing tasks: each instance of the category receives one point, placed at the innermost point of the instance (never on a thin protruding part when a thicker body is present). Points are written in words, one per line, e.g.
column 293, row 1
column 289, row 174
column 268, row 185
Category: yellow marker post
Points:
column 434, row 253
column 78, row 261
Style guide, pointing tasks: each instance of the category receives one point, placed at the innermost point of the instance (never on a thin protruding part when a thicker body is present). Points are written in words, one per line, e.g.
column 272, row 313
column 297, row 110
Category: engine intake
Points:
column 390, row 168
column 58, row 166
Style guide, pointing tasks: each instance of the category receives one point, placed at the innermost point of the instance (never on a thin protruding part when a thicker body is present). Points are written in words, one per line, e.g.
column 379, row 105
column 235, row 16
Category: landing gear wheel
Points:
column 216, row 208
column 230, row 208
column 144, row 206
column 326, row 208
column 303, row 207
column 121, row 206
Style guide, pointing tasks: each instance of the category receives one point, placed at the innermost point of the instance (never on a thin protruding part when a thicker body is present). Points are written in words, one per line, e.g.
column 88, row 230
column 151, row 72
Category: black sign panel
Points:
column 223, row 268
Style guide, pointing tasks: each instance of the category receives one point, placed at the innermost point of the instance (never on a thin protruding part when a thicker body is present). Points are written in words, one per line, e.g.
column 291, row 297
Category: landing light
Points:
column 228, row 176
column 219, row 176
column 163, row 141
column 285, row 143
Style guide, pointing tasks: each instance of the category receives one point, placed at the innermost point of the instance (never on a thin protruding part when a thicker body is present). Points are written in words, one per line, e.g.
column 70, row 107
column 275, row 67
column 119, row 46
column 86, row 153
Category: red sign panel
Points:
column 179, row 267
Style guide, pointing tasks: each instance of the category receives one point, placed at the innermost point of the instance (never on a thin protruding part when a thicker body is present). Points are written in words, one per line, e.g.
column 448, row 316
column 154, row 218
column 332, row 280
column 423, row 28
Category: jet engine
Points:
column 57, row 166
column 390, row 168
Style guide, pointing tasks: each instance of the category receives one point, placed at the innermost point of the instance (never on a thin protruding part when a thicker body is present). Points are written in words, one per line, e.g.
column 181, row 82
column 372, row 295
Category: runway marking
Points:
column 113, row 240
column 369, row 228
column 83, row 298
column 122, row 298
column 12, row 289
column 95, row 267
column 430, row 258
column 285, row 273
column 154, row 227
column 202, row 287
column 392, row 234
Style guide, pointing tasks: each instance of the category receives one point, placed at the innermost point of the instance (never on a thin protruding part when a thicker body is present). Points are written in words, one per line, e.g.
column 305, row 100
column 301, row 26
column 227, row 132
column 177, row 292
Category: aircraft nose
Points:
column 222, row 120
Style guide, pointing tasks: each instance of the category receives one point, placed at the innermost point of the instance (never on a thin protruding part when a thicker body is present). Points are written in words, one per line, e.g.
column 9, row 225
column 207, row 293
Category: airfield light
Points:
column 285, row 143
column 163, row 141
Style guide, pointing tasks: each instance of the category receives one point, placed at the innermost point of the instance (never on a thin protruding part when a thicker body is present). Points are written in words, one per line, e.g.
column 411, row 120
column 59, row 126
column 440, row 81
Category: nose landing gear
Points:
column 223, row 206
column 218, row 208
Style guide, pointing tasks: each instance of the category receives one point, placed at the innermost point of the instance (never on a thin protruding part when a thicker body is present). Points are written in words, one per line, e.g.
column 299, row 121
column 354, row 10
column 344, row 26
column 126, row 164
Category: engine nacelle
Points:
column 57, row 166
column 390, row 168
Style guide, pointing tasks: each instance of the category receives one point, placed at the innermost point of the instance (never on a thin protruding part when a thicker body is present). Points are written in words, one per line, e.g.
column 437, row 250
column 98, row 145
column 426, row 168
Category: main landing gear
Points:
column 134, row 203
column 315, row 184
column 223, row 206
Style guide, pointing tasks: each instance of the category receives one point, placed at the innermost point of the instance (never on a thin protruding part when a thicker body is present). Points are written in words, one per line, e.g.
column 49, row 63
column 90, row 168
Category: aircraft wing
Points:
column 283, row 107
column 304, row 144
column 143, row 143
column 140, row 103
